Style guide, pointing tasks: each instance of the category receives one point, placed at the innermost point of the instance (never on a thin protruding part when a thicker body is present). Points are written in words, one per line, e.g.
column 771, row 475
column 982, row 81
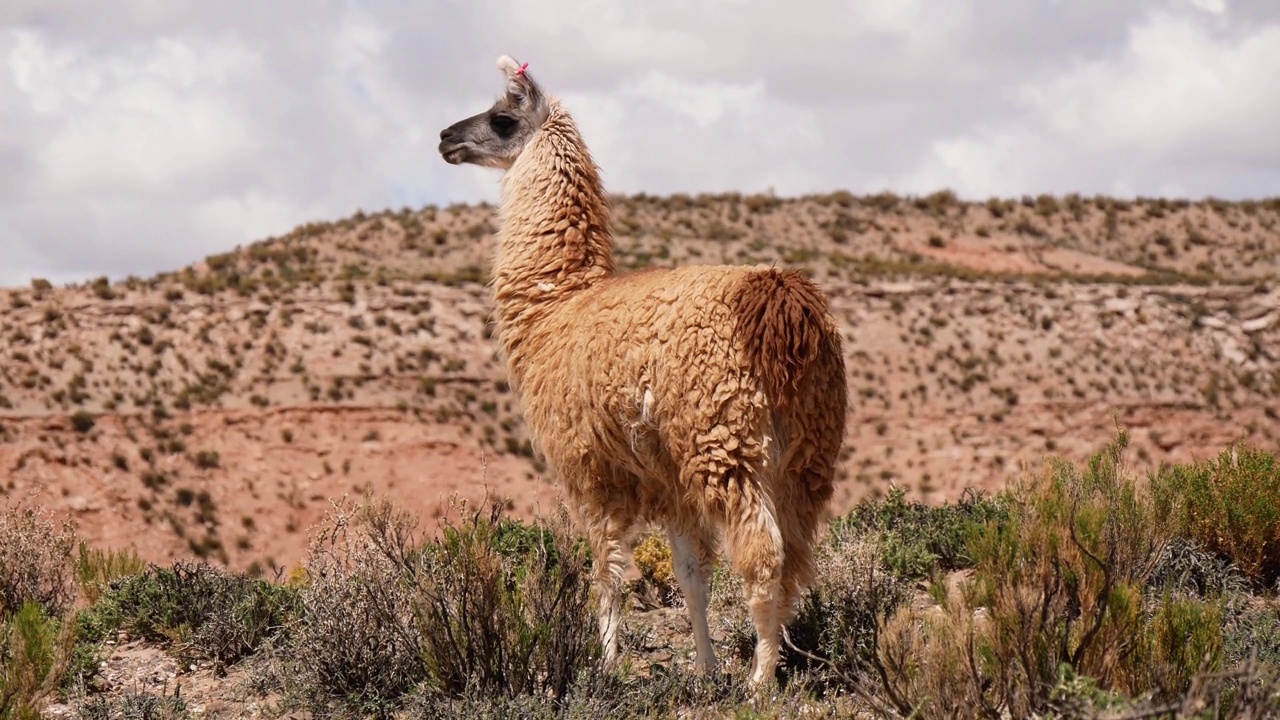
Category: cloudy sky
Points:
column 146, row 136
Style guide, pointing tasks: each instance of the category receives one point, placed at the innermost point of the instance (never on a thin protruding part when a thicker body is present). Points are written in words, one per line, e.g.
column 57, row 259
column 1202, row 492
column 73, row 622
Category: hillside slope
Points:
column 215, row 410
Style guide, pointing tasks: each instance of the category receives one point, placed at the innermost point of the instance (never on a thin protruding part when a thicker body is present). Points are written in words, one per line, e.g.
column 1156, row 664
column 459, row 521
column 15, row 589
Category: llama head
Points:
column 495, row 137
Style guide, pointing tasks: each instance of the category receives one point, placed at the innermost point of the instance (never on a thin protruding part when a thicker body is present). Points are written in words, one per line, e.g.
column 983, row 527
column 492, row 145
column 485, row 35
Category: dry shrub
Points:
column 926, row 656
column 1250, row 691
column 35, row 560
column 652, row 557
column 1231, row 507
column 674, row 691
column 852, row 594
column 355, row 641
column 832, row 638
column 136, row 705
column 1057, row 592
column 491, row 606
column 1253, row 632
column 1186, row 566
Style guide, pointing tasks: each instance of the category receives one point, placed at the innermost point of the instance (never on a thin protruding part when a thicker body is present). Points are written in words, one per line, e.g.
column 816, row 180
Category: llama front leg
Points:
column 692, row 552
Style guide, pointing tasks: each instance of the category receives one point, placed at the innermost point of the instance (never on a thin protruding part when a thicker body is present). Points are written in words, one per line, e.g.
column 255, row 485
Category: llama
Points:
column 707, row 399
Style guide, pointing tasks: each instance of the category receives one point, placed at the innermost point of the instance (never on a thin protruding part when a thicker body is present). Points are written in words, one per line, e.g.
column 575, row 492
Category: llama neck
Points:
column 555, row 238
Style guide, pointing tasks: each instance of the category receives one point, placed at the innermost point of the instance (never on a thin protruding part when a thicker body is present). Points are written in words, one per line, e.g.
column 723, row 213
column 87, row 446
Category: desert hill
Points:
column 215, row 410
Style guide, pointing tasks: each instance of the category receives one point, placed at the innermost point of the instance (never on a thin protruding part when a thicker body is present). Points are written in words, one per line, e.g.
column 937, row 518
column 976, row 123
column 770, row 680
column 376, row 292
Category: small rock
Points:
column 1258, row 324
column 1231, row 351
column 1122, row 306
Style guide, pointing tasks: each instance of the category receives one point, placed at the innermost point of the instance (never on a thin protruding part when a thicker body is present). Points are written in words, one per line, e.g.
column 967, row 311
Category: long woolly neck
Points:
column 555, row 238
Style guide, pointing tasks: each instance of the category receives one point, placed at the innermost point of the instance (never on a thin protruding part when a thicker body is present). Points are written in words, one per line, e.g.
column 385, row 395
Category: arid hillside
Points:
column 216, row 410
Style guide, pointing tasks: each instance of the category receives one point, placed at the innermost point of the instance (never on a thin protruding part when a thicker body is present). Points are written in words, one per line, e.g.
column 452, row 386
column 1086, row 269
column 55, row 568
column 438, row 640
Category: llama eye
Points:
column 504, row 125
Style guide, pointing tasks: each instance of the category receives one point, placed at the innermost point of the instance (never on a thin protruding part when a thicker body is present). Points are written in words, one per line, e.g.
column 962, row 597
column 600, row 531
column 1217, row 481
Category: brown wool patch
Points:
column 780, row 317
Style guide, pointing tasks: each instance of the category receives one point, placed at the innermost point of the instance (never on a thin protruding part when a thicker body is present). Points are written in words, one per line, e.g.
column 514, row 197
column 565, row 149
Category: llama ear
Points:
column 520, row 87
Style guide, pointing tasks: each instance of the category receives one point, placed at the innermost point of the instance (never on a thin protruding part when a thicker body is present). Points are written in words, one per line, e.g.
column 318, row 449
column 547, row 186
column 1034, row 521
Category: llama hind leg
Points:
column 692, row 552
column 797, row 566
column 606, row 547
column 801, row 506
column 757, row 551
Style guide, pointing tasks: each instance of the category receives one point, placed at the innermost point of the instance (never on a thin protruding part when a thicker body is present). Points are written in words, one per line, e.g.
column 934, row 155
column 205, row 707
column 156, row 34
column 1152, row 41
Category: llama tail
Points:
column 783, row 320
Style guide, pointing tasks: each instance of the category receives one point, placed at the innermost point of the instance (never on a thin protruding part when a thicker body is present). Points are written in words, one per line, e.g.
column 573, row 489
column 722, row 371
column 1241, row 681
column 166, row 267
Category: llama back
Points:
column 784, row 323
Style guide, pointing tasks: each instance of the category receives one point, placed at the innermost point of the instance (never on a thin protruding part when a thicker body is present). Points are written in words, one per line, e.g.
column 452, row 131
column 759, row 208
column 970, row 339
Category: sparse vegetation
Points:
column 36, row 589
column 1065, row 303
column 1080, row 589
column 82, row 421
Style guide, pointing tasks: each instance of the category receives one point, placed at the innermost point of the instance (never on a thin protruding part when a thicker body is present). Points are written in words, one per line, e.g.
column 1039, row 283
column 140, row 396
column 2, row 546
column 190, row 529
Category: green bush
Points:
column 507, row 618
column 96, row 570
column 1057, row 592
column 918, row 540
column 203, row 612
column 1231, row 507
column 35, row 650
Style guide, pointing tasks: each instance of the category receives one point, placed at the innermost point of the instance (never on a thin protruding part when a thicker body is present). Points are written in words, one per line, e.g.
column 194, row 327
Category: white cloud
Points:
column 142, row 139
column 158, row 116
column 1213, row 7
column 1163, row 115
column 703, row 103
column 661, row 133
